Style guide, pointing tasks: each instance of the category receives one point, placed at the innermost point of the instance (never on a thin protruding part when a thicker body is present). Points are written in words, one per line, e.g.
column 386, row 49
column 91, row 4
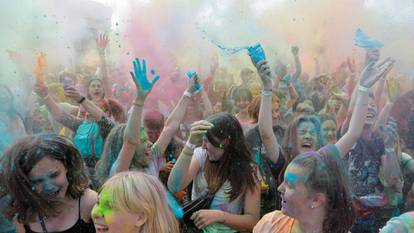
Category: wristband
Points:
column 138, row 104
column 267, row 93
column 363, row 89
column 81, row 100
column 389, row 150
column 187, row 154
column 190, row 145
column 188, row 94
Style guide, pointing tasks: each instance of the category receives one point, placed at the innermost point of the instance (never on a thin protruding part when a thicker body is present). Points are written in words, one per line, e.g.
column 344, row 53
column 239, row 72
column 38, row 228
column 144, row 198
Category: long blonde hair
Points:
column 139, row 193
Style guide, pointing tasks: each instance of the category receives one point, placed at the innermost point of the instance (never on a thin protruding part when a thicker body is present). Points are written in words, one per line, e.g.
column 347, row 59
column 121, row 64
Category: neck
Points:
column 366, row 132
column 243, row 114
column 312, row 223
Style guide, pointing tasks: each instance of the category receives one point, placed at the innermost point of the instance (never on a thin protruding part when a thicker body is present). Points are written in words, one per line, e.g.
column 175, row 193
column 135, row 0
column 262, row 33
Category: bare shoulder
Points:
column 88, row 201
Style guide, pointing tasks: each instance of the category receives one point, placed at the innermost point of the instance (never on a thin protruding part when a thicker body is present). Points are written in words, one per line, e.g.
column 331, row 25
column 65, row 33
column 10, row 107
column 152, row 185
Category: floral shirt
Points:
column 363, row 164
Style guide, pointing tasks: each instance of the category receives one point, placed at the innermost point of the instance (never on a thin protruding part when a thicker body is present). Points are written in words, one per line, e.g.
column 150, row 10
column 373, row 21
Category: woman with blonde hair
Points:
column 132, row 202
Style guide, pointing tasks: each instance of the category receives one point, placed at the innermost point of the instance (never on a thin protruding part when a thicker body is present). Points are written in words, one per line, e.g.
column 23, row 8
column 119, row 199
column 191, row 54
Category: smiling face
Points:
column 110, row 220
column 48, row 178
column 307, row 137
column 372, row 112
column 295, row 196
column 95, row 89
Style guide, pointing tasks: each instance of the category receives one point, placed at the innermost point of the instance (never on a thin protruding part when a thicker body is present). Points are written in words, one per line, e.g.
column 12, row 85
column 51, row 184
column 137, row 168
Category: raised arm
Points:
column 95, row 111
column 390, row 163
column 133, row 128
column 172, row 123
column 102, row 42
column 186, row 166
column 368, row 77
column 42, row 91
column 265, row 114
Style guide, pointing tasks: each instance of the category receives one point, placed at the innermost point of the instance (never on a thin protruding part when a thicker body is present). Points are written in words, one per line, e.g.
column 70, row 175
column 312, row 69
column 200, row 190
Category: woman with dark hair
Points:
column 99, row 89
column 217, row 160
column 48, row 186
column 303, row 136
column 90, row 132
column 111, row 107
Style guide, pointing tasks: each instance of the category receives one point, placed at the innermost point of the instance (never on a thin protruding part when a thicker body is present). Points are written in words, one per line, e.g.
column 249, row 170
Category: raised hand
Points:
column 40, row 69
column 373, row 72
column 72, row 93
column 198, row 129
column 295, row 50
column 102, row 41
column 265, row 74
column 139, row 76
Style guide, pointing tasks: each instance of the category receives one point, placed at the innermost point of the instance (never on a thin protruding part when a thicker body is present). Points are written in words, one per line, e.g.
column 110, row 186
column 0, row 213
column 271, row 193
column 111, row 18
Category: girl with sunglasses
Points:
column 217, row 160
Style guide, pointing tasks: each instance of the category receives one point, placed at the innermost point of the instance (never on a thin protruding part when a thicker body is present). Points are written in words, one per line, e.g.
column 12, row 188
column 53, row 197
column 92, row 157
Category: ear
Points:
column 141, row 219
column 318, row 200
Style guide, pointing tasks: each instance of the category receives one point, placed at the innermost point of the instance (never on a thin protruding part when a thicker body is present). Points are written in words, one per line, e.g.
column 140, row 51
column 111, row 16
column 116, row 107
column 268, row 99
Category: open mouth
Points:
column 283, row 203
column 370, row 115
column 307, row 145
column 101, row 228
column 52, row 194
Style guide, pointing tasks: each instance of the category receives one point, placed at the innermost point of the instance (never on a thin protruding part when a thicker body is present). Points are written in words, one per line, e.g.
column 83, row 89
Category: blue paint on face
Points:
column 47, row 183
column 291, row 178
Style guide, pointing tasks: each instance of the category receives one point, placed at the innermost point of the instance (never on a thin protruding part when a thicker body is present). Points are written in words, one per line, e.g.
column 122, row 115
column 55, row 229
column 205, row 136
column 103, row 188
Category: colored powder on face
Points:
column 292, row 178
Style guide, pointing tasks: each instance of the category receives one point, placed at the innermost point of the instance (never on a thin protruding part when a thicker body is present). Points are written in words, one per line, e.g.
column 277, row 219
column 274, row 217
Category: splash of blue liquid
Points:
column 174, row 206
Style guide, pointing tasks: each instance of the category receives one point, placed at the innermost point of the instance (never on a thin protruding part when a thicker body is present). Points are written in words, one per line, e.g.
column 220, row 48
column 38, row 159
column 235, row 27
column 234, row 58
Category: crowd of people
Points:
column 279, row 152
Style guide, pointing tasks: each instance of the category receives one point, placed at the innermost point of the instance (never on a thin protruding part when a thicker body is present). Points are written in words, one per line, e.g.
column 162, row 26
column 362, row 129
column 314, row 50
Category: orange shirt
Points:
column 284, row 223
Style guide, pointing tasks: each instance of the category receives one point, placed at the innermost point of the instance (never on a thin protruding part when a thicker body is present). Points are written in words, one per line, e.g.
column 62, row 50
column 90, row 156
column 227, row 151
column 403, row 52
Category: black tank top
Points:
column 79, row 227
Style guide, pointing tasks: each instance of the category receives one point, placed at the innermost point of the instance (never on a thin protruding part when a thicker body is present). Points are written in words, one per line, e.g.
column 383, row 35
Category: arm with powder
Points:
column 368, row 78
column 133, row 128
